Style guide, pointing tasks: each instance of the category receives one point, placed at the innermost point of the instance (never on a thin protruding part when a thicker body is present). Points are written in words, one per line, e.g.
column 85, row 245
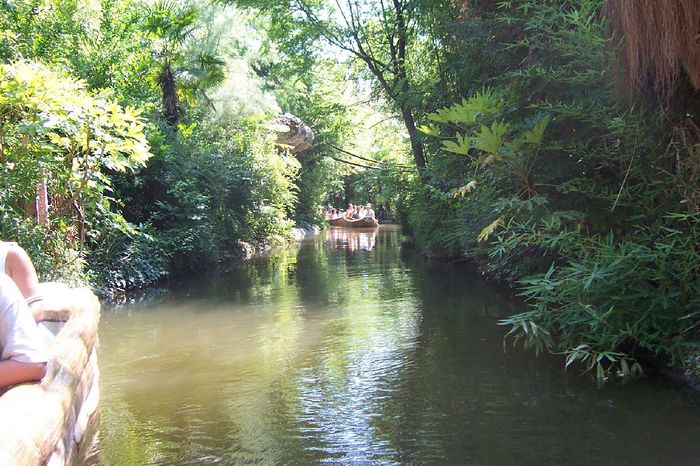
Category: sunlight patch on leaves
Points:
column 490, row 228
column 464, row 190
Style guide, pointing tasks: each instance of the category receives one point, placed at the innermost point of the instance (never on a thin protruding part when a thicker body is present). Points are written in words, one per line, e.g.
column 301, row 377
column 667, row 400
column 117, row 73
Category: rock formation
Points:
column 292, row 133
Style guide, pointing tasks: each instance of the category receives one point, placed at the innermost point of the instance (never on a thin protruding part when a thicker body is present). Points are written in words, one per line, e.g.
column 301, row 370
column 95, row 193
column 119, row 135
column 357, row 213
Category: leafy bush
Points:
column 587, row 200
column 613, row 296
column 122, row 262
column 52, row 255
column 220, row 183
column 216, row 178
column 59, row 138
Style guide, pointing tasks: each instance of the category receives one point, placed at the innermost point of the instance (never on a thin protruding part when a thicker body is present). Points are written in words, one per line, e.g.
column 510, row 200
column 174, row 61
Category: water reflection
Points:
column 351, row 240
column 324, row 353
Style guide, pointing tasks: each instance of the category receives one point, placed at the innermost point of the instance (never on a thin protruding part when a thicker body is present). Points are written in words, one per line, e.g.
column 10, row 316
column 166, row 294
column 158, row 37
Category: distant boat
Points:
column 358, row 223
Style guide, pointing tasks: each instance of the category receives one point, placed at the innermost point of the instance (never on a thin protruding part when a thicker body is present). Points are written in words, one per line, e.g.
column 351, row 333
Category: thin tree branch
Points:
column 338, row 41
column 391, row 117
column 342, row 13
column 378, row 162
column 353, row 163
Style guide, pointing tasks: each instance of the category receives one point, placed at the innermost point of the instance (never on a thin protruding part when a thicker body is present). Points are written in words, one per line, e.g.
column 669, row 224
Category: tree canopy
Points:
column 385, row 38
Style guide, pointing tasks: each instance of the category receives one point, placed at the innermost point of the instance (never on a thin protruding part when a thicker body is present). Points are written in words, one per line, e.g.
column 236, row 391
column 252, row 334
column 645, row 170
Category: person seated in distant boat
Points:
column 369, row 213
column 15, row 262
column 350, row 212
column 23, row 351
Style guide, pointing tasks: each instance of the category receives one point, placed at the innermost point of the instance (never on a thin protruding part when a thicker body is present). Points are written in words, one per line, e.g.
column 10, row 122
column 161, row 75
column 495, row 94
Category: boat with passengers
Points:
column 355, row 216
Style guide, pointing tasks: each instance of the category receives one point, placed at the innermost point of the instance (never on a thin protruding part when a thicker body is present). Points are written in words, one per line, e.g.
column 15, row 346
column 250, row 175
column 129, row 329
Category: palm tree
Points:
column 170, row 24
column 205, row 71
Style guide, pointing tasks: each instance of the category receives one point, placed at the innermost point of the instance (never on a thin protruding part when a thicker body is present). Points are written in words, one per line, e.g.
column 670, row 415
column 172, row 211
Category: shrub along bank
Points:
column 551, row 175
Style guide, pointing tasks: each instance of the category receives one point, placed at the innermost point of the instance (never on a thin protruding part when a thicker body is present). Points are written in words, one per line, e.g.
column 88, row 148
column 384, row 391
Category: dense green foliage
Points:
column 131, row 112
column 580, row 195
column 320, row 177
column 541, row 167
column 55, row 134
column 501, row 132
column 225, row 183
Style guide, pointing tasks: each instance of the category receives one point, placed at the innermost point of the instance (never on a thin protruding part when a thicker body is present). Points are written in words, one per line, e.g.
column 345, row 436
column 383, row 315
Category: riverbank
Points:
column 686, row 377
column 248, row 250
column 243, row 251
column 300, row 232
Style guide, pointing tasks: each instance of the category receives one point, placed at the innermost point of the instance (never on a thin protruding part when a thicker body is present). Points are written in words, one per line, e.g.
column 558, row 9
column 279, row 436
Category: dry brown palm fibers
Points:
column 659, row 37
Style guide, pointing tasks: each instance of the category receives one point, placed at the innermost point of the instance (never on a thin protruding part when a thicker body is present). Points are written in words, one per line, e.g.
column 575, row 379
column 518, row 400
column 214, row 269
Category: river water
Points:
column 351, row 349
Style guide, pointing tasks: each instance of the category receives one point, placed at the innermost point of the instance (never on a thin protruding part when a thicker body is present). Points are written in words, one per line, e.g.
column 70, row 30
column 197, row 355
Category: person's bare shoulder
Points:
column 17, row 258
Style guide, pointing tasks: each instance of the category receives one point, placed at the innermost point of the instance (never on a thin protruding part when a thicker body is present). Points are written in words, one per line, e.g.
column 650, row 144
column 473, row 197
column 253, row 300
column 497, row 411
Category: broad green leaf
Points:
column 430, row 130
column 460, row 146
column 535, row 134
column 491, row 139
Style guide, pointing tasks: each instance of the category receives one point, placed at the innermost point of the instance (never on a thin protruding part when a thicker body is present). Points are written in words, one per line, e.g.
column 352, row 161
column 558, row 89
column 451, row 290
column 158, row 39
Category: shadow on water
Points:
column 348, row 348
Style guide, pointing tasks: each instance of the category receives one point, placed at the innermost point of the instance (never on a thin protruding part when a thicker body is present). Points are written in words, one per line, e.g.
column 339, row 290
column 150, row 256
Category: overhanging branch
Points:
column 353, row 163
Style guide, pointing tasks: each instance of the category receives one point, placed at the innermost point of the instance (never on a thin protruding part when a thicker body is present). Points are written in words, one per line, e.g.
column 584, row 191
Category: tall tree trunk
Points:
column 42, row 203
column 416, row 145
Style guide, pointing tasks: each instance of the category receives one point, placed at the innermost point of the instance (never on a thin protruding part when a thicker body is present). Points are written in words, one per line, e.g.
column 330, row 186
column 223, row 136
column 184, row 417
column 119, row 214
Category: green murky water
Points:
column 346, row 349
